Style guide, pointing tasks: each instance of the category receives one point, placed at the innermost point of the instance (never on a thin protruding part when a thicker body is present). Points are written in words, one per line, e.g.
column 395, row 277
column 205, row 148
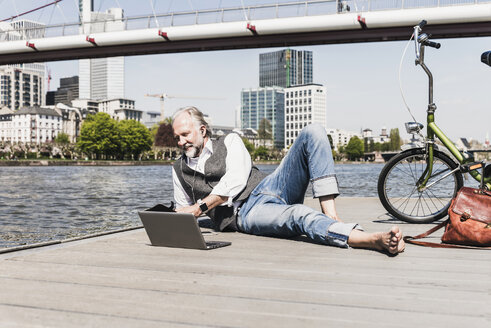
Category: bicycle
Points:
column 418, row 184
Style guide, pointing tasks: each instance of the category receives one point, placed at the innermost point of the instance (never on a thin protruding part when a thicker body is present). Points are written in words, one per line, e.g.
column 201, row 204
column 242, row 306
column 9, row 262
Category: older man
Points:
column 217, row 178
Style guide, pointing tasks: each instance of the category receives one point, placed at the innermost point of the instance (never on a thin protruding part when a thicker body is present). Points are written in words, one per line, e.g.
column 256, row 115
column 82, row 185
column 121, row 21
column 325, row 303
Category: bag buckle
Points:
column 466, row 215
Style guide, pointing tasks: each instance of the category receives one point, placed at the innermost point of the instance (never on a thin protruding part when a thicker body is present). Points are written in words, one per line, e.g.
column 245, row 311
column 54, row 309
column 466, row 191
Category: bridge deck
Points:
column 120, row 281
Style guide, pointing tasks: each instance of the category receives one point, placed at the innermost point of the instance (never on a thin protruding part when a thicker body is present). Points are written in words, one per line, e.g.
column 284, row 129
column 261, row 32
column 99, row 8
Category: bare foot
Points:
column 391, row 241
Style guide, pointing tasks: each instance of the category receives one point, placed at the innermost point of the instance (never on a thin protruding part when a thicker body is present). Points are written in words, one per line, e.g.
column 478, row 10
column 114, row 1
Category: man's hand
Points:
column 193, row 209
column 210, row 200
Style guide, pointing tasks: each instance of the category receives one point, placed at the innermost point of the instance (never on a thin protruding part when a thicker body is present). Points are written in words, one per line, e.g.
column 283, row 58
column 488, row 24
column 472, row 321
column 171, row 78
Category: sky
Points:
column 362, row 79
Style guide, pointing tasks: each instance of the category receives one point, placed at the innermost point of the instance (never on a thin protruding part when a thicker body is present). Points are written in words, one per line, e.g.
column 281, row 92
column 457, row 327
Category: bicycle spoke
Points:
column 426, row 203
column 431, row 199
column 436, row 197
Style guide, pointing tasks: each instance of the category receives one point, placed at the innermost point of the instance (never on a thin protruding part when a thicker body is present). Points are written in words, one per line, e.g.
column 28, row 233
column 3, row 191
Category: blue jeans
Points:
column 275, row 207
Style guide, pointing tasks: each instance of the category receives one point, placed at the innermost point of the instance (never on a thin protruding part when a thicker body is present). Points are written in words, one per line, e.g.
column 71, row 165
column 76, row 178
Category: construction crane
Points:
column 163, row 96
column 49, row 79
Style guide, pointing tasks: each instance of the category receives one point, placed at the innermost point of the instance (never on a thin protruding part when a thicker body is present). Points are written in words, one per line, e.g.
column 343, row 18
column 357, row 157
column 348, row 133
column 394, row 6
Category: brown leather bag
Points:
column 469, row 223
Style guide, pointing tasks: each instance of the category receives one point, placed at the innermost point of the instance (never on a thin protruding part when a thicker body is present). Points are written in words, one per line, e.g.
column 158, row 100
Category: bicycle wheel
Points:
column 398, row 191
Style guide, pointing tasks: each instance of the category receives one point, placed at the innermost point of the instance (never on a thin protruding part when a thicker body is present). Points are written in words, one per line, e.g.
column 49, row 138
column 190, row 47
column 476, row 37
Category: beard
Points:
column 193, row 150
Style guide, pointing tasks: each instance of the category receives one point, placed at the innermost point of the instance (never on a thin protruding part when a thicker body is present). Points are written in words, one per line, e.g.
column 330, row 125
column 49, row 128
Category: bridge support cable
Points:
column 55, row 2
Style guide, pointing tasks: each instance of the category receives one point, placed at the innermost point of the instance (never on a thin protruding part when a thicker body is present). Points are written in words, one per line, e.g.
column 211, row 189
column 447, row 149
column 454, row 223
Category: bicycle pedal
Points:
column 464, row 168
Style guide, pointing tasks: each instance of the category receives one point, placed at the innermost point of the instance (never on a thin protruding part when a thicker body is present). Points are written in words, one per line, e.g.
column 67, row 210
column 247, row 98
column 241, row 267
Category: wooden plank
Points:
column 258, row 281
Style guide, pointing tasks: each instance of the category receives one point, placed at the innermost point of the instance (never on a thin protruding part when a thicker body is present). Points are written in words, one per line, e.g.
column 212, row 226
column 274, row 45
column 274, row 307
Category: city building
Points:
column 149, row 119
column 50, row 98
column 249, row 134
column 6, row 123
column 304, row 105
column 72, row 118
column 22, row 84
column 120, row 109
column 33, row 124
column 285, row 68
column 20, row 87
column 91, row 106
column 264, row 103
column 341, row 137
column 382, row 138
column 101, row 78
column 67, row 91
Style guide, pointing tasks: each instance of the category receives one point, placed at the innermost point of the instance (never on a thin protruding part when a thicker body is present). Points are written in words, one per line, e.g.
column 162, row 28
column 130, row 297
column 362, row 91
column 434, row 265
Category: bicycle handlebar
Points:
column 432, row 44
column 422, row 39
column 422, row 24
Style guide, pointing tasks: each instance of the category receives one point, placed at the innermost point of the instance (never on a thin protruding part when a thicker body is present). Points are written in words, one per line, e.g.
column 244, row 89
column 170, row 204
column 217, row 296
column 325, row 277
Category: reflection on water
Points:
column 50, row 203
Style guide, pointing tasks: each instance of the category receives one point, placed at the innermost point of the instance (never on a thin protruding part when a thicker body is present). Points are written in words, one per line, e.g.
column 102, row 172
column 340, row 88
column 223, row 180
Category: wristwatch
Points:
column 202, row 206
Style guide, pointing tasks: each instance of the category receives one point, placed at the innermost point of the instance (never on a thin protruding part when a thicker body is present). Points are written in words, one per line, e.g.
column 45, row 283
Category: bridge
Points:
column 271, row 25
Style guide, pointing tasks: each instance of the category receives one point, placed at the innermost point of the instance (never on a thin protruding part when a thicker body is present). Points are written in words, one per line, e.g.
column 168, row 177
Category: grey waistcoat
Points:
column 198, row 185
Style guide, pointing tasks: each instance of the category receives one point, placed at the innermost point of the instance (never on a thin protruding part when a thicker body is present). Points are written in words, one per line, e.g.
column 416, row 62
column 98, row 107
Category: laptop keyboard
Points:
column 213, row 244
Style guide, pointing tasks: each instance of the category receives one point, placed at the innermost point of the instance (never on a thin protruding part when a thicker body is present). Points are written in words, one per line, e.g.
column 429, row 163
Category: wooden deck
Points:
column 121, row 281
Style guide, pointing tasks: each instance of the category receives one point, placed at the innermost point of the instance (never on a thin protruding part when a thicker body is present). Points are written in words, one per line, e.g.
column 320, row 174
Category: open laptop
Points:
column 173, row 229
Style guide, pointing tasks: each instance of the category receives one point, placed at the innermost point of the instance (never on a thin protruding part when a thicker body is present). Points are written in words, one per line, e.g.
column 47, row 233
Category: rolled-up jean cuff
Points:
column 338, row 233
column 325, row 186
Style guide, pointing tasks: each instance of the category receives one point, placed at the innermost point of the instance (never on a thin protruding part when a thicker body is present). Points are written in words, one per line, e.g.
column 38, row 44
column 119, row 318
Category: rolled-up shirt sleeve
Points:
column 180, row 197
column 238, row 168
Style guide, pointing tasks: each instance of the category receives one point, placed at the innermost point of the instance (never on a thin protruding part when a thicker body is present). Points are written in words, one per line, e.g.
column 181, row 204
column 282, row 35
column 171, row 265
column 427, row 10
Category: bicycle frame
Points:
column 433, row 130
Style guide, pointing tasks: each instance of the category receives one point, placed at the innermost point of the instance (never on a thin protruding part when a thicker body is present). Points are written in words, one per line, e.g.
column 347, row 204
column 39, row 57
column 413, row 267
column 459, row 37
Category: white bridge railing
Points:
column 222, row 15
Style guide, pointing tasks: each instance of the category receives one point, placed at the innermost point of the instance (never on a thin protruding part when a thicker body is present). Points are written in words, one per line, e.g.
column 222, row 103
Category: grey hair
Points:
column 196, row 115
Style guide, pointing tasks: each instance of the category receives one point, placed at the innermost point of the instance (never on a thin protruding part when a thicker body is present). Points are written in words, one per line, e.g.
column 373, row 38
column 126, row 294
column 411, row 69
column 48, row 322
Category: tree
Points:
column 331, row 143
column 165, row 136
column 395, row 139
column 354, row 149
column 264, row 131
column 62, row 138
column 99, row 136
column 371, row 146
column 249, row 146
column 261, row 152
column 135, row 138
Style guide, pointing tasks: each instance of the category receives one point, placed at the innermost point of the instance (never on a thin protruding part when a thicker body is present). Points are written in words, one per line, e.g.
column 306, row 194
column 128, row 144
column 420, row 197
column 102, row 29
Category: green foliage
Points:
column 264, row 131
column 102, row 136
column 395, row 139
column 249, row 146
column 153, row 131
column 32, row 155
column 135, row 138
column 62, row 138
column 354, row 149
column 261, row 152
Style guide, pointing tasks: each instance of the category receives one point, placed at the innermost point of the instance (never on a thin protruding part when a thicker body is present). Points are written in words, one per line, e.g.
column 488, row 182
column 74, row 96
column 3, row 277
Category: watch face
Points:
column 203, row 207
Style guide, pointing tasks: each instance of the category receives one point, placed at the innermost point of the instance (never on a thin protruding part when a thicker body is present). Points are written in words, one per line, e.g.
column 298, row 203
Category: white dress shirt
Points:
column 238, row 167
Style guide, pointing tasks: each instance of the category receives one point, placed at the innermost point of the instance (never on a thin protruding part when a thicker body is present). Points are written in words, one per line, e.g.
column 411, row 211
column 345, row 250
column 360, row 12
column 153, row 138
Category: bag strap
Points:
column 412, row 240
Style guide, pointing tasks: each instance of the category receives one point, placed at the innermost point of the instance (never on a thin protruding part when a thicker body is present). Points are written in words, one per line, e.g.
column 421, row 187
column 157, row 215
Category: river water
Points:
column 39, row 204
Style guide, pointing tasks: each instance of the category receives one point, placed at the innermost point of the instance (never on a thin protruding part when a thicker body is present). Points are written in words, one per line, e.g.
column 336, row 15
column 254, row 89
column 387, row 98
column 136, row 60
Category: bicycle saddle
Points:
column 486, row 58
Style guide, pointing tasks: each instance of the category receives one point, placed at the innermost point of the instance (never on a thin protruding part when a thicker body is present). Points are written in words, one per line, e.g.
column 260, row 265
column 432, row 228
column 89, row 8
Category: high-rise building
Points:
column 22, row 84
column 304, row 105
column 264, row 103
column 285, row 68
column 101, row 78
column 67, row 91
column 21, row 87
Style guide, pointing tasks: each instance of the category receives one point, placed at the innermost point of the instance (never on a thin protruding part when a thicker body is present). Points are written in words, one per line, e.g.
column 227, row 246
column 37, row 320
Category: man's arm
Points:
column 180, row 196
column 211, row 201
